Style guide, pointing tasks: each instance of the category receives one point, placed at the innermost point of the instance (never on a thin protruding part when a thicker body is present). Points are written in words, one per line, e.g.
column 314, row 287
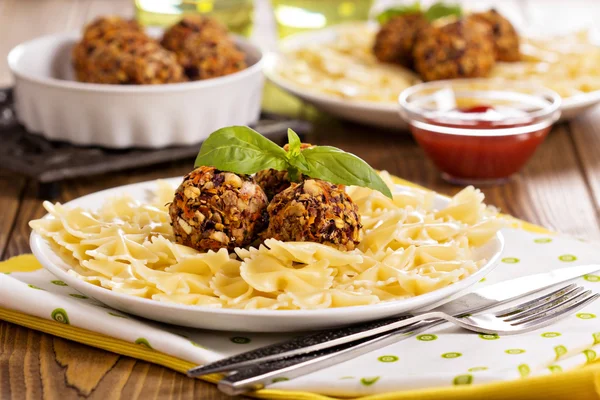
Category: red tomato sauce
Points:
column 476, row 155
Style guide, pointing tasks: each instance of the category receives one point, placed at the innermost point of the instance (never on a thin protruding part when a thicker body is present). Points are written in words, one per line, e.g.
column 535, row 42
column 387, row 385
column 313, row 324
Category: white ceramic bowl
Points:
column 247, row 320
column 49, row 101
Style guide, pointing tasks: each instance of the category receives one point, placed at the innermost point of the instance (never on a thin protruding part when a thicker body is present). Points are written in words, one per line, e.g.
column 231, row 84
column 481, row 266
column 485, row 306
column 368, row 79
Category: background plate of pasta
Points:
column 338, row 70
column 416, row 249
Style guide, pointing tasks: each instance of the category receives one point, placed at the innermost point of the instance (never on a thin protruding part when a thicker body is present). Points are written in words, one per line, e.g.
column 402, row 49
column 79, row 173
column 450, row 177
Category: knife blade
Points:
column 476, row 301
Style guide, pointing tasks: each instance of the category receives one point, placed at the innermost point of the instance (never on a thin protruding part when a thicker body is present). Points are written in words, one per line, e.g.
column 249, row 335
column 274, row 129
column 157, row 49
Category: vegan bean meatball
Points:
column 395, row 40
column 315, row 211
column 206, row 56
column 103, row 31
column 272, row 181
column 125, row 57
column 506, row 39
column 461, row 49
column 214, row 209
column 174, row 38
column 101, row 26
column 204, row 48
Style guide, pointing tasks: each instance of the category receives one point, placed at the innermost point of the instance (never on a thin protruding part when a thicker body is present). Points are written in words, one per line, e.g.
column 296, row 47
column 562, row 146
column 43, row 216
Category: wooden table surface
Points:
column 559, row 189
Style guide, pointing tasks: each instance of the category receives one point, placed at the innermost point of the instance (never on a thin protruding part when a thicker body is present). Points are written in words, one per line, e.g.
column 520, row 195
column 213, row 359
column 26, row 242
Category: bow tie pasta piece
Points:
column 410, row 284
column 466, row 206
column 426, row 233
column 108, row 269
column 309, row 253
column 387, row 218
column 482, row 232
column 401, row 258
column 264, row 303
column 163, row 195
column 62, row 240
column 88, row 275
column 456, row 250
column 243, row 253
column 445, row 269
column 231, row 289
column 268, row 274
column 402, row 235
column 378, row 275
column 171, row 283
column 115, row 244
column 131, row 287
column 208, row 263
column 168, row 252
column 190, row 299
column 77, row 221
column 330, row 298
column 378, row 238
column 126, row 210
column 47, row 227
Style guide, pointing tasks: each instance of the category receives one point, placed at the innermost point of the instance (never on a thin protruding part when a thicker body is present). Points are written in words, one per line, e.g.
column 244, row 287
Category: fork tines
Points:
column 549, row 307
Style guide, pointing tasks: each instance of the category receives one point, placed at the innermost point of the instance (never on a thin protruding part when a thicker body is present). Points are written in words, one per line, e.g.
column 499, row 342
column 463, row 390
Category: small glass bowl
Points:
column 479, row 131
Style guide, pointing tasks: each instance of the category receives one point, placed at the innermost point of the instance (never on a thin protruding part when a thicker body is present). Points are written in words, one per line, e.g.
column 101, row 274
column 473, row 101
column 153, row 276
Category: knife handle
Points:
column 260, row 375
column 305, row 344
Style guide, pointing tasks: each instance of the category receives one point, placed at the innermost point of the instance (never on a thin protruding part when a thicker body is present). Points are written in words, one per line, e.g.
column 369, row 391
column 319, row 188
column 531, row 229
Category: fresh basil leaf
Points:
column 390, row 13
column 241, row 150
column 293, row 174
column 294, row 155
column 338, row 167
column 294, row 142
column 440, row 10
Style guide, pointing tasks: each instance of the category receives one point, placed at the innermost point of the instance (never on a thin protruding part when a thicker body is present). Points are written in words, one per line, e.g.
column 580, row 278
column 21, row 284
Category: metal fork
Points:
column 521, row 318
column 327, row 339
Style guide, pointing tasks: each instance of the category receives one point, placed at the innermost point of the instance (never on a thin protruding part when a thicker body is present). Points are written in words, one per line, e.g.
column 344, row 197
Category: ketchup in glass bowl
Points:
column 479, row 131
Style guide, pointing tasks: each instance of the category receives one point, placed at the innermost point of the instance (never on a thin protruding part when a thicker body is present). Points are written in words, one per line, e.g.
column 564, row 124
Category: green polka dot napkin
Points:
column 443, row 357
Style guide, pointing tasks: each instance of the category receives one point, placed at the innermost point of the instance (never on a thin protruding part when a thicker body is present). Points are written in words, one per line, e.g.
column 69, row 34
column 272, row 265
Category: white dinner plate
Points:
column 384, row 115
column 245, row 320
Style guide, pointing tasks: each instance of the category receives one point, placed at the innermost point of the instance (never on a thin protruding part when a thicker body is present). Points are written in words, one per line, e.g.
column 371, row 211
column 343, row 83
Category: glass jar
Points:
column 479, row 131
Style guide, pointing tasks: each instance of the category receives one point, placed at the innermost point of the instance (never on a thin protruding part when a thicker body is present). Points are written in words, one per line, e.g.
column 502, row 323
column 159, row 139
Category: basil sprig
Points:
column 242, row 150
column 436, row 11
column 441, row 10
column 390, row 13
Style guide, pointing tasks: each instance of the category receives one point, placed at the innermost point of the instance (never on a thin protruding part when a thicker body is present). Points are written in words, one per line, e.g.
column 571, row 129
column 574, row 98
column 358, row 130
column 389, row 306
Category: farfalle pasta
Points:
column 407, row 248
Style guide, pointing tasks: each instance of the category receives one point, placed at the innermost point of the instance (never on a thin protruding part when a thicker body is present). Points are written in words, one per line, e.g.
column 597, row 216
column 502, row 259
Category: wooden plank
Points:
column 34, row 365
column 586, row 137
column 11, row 189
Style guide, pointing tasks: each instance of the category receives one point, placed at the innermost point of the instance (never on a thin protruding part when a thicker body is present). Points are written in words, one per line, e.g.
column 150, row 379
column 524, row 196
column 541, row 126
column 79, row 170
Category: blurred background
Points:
column 264, row 20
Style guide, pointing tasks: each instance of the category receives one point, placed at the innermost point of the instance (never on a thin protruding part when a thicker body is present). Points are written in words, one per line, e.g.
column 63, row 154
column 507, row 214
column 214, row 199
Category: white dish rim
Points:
column 16, row 52
column 40, row 249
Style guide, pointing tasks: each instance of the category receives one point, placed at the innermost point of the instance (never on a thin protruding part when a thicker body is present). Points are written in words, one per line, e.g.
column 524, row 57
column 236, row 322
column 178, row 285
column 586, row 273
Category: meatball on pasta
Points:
column 506, row 38
column 462, row 49
column 214, row 209
column 315, row 211
column 395, row 40
column 203, row 48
